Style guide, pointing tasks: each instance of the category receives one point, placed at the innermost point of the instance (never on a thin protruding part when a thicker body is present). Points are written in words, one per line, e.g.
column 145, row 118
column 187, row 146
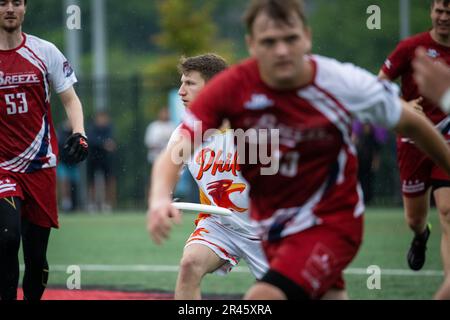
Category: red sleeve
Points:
column 212, row 105
column 398, row 61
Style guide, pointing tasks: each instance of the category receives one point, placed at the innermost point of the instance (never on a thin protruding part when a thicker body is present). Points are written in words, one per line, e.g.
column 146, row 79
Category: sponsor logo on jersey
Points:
column 221, row 190
column 212, row 162
column 432, row 53
column 259, row 102
column 68, row 71
column 18, row 79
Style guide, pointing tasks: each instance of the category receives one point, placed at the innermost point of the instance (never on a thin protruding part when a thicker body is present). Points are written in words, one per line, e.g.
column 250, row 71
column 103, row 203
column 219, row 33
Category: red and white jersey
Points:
column 215, row 168
column 27, row 73
column 399, row 64
column 317, row 178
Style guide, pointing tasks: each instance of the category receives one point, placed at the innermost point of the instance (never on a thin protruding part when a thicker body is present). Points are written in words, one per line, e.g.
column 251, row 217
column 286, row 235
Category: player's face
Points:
column 12, row 13
column 191, row 84
column 279, row 49
column 440, row 17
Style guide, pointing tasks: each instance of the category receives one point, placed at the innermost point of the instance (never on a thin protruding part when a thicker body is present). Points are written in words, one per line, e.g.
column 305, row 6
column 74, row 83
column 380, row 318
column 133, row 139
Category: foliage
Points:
column 187, row 28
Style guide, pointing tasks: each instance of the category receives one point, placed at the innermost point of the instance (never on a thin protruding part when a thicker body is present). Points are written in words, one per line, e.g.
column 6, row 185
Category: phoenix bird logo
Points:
column 221, row 190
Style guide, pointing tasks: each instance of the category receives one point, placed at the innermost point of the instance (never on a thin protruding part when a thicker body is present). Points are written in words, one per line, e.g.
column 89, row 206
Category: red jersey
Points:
column 27, row 73
column 398, row 64
column 317, row 178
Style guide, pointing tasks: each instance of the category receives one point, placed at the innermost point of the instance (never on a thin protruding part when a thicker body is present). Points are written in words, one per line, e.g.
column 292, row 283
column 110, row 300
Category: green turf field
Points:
column 101, row 244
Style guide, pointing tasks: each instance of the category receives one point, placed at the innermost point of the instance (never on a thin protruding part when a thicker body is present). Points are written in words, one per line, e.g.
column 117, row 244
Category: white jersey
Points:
column 216, row 171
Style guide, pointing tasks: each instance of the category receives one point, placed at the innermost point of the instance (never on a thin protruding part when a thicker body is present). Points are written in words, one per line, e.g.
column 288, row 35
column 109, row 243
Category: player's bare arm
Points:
column 161, row 214
column 74, row 110
column 383, row 76
column 77, row 144
column 426, row 137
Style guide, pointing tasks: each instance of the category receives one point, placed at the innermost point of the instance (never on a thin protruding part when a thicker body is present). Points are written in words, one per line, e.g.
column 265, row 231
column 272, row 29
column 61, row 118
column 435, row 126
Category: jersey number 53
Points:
column 16, row 103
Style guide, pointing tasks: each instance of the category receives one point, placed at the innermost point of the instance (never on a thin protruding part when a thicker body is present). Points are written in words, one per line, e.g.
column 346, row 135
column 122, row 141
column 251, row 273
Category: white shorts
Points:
column 230, row 246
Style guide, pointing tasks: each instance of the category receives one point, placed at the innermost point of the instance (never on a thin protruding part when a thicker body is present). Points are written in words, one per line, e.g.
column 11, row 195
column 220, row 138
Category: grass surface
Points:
column 120, row 239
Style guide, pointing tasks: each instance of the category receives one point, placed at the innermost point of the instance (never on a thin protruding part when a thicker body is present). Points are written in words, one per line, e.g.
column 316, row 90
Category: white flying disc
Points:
column 188, row 207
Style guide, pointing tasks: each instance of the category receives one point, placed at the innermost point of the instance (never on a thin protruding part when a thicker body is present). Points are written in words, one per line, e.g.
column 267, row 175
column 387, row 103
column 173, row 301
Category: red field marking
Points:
column 64, row 294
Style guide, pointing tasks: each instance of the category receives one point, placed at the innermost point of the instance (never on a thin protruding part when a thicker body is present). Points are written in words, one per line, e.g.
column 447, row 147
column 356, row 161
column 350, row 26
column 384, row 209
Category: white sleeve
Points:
column 370, row 99
column 60, row 71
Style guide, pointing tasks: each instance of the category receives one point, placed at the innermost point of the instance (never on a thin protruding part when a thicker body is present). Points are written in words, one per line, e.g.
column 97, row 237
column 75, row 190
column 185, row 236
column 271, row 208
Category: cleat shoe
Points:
column 416, row 253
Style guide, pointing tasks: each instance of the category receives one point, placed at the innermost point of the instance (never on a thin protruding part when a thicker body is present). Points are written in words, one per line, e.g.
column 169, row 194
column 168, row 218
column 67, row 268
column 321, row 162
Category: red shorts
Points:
column 417, row 171
column 38, row 193
column 315, row 258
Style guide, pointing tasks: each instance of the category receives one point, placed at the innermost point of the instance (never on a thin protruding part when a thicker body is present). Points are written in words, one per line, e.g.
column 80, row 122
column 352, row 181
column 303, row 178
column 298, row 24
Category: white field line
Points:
column 172, row 268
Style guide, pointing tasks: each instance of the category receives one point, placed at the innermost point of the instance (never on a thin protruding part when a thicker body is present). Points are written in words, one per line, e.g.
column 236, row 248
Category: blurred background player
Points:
column 100, row 162
column 157, row 135
column 28, row 149
column 418, row 173
column 68, row 173
column 310, row 210
column 368, row 140
column 217, row 243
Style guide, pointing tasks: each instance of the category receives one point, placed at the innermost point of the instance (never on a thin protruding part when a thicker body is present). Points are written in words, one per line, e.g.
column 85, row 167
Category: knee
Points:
column 36, row 259
column 191, row 267
column 444, row 212
column 9, row 239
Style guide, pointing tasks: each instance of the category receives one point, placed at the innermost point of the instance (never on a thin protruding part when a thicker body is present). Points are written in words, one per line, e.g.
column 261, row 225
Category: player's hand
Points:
column 160, row 217
column 76, row 148
column 415, row 105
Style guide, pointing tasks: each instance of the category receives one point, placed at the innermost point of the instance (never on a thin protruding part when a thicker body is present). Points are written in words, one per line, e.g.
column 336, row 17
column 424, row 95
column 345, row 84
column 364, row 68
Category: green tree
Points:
column 187, row 28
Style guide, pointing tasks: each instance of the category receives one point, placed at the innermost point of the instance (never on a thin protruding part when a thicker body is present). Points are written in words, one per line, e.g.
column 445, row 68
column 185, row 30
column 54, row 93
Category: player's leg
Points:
column 39, row 214
column 415, row 175
column 35, row 242
column 442, row 197
column 9, row 247
column 64, row 187
column 197, row 261
column 416, row 213
column 338, row 291
column 266, row 291
column 90, row 173
column 209, row 249
column 308, row 264
column 335, row 294
column 110, row 183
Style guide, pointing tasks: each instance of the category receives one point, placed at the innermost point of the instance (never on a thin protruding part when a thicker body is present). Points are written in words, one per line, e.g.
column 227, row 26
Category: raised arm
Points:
column 165, row 174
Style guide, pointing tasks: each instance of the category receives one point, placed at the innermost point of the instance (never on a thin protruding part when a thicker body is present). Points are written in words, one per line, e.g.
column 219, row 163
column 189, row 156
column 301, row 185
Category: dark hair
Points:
column 279, row 10
column 446, row 2
column 208, row 65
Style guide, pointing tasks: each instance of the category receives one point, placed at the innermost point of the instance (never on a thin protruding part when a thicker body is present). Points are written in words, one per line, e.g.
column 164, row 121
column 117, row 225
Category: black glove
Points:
column 76, row 148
